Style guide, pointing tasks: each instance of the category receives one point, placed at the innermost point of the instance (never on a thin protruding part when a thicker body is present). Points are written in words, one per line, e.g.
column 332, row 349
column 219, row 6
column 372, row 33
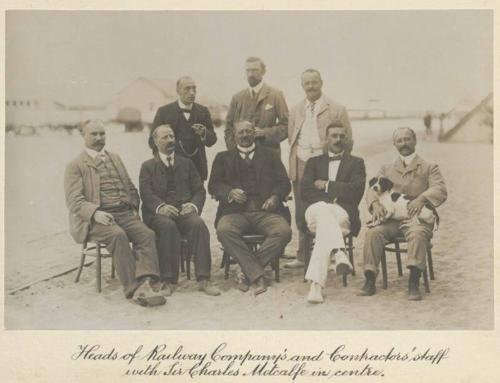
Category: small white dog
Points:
column 396, row 204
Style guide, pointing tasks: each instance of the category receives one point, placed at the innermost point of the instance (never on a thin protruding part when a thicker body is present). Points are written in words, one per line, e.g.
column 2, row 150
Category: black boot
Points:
column 369, row 287
column 413, row 282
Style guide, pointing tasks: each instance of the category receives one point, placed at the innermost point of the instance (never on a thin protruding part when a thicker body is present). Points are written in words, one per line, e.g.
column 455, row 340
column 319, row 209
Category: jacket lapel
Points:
column 343, row 167
column 258, row 162
column 301, row 115
column 323, row 166
column 323, row 107
column 417, row 161
column 119, row 169
column 263, row 93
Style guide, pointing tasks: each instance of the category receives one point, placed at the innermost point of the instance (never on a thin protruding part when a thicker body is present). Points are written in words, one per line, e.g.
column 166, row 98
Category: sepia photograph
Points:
column 324, row 170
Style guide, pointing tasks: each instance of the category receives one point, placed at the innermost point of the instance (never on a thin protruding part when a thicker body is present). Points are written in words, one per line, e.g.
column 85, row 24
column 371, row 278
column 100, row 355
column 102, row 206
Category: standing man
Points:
column 173, row 195
column 250, row 183
column 191, row 123
column 332, row 187
column 263, row 106
column 420, row 180
column 306, row 135
column 103, row 204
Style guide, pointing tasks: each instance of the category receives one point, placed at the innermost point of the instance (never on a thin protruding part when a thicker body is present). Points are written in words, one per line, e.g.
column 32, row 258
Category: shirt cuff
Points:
column 159, row 206
column 193, row 205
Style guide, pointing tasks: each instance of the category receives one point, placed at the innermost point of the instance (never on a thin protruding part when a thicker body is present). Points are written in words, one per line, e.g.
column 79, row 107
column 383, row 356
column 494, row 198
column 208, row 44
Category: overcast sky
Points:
column 409, row 60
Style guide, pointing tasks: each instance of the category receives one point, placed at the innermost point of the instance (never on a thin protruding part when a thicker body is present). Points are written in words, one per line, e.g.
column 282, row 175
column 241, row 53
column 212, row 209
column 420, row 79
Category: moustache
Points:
column 405, row 147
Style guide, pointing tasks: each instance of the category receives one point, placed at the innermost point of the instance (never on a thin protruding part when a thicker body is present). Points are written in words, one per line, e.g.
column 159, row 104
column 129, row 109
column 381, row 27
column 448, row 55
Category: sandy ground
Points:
column 461, row 296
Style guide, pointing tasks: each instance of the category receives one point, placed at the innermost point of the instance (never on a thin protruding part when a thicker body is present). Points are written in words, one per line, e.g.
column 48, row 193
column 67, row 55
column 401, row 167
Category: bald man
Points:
column 103, row 204
column 191, row 123
column 423, row 183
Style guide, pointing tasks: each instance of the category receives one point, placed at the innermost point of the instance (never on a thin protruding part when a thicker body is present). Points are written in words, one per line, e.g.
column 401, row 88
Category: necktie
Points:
column 312, row 108
column 335, row 158
column 254, row 94
column 169, row 161
column 184, row 110
column 101, row 157
column 246, row 155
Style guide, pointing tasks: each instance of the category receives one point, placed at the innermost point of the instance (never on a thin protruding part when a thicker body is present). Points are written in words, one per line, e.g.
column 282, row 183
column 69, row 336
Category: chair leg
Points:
column 226, row 262
column 307, row 252
column 384, row 270
column 277, row 269
column 112, row 268
column 344, row 280
column 98, row 266
column 398, row 259
column 426, row 281
column 429, row 261
column 187, row 256
column 351, row 255
column 82, row 262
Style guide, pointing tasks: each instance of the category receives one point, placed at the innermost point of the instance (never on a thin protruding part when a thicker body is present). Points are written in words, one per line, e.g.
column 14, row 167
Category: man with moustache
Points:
column 173, row 195
column 260, row 104
column 191, row 123
column 103, row 204
column 250, row 183
column 306, row 136
column 420, row 180
column 332, row 187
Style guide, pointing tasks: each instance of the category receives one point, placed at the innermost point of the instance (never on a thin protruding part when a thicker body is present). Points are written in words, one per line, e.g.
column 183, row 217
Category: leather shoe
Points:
column 208, row 288
column 368, row 288
column 260, row 286
column 295, row 264
column 413, row 282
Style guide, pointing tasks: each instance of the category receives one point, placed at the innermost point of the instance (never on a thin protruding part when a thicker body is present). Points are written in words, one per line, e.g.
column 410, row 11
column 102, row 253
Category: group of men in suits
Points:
column 251, row 186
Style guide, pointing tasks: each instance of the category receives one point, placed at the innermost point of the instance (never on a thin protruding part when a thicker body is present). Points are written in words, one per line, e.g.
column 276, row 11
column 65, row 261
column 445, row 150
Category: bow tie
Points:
column 184, row 110
column 335, row 158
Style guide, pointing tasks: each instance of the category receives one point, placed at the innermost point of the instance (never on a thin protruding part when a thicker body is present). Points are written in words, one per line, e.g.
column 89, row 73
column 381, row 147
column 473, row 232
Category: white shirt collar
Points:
column 184, row 106
column 317, row 103
column 246, row 150
column 408, row 159
column 93, row 153
column 330, row 154
column 163, row 158
column 257, row 87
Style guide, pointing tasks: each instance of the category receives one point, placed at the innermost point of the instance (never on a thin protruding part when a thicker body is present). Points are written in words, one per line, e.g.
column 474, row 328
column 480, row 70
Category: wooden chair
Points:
column 309, row 244
column 395, row 247
column 100, row 252
column 186, row 257
column 253, row 242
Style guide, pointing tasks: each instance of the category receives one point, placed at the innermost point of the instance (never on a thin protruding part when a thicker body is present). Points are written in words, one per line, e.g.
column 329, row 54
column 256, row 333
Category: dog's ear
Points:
column 395, row 196
column 385, row 184
column 373, row 181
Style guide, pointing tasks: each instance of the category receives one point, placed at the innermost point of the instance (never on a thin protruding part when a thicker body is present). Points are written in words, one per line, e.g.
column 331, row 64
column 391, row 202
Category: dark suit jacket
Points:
column 172, row 113
column 153, row 185
column 83, row 193
column 348, row 187
column 271, row 114
column 271, row 179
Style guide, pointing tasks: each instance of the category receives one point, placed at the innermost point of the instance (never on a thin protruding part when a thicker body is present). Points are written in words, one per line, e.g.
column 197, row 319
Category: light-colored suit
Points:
column 328, row 113
column 82, row 187
column 269, row 112
column 419, row 178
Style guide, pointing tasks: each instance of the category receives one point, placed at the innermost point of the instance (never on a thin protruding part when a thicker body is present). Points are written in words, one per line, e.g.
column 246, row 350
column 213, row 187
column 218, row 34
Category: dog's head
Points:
column 380, row 184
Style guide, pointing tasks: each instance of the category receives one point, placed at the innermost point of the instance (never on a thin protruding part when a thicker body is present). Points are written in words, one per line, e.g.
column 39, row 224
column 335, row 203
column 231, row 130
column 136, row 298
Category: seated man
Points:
column 173, row 194
column 250, row 184
column 332, row 187
column 420, row 180
column 103, row 204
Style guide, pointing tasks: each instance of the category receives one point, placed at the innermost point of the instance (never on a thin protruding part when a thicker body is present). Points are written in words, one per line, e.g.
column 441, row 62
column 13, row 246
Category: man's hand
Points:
column 320, row 184
column 259, row 132
column 200, row 129
column 169, row 211
column 238, row 196
column 103, row 218
column 378, row 211
column 415, row 206
column 271, row 203
column 187, row 208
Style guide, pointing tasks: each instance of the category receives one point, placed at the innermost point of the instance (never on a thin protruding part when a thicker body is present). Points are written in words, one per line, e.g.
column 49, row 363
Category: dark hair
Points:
column 256, row 59
column 335, row 124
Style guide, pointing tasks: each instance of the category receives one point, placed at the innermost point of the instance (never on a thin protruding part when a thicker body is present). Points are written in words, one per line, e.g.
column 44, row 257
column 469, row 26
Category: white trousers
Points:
column 330, row 222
